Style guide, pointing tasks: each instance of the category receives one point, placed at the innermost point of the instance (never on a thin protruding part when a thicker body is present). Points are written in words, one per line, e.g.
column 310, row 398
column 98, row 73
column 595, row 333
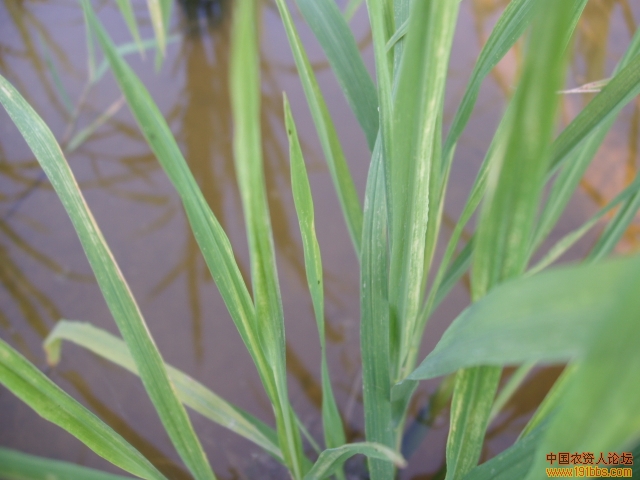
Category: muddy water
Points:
column 44, row 275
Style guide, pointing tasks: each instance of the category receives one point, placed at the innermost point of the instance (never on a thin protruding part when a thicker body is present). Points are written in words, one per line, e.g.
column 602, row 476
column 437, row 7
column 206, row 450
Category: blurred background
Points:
column 44, row 275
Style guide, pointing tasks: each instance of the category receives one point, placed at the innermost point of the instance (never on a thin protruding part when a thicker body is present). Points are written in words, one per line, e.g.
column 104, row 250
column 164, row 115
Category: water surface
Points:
column 44, row 275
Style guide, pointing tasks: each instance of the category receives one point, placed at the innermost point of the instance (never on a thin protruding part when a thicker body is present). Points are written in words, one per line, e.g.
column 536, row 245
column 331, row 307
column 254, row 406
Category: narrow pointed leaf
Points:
column 473, row 396
column 165, row 9
column 506, row 393
column 550, row 401
column 507, row 219
column 32, row 387
column 381, row 20
column 342, row 180
column 83, row 135
column 351, row 8
column 129, row 48
column 401, row 12
column 331, row 421
column 508, row 215
column 91, row 54
column 451, row 269
column 62, row 92
column 247, row 149
column 601, row 303
column 332, row 31
column 510, row 26
column 459, row 266
column 399, row 33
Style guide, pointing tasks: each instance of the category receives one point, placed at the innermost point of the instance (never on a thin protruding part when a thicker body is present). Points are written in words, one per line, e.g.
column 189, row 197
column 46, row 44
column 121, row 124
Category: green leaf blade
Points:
column 374, row 323
column 342, row 179
column 514, row 462
column 247, row 147
column 576, row 161
column 112, row 284
column 158, row 15
column 615, row 229
column 417, row 108
column 332, row 31
column 629, row 194
column 473, row 396
column 332, row 423
column 211, row 238
column 508, row 214
column 507, row 219
column 126, row 10
column 192, row 393
column 555, row 317
column 510, row 26
column 600, row 409
column 331, row 460
column 20, row 466
column 511, row 324
column 50, row 402
column 620, row 90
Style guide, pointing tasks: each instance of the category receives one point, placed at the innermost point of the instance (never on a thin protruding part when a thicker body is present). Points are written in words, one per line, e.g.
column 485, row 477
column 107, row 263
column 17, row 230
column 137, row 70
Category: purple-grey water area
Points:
column 44, row 275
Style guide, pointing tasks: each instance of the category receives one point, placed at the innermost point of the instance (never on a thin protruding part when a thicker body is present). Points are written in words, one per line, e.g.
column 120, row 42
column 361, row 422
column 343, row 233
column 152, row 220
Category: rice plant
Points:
column 522, row 313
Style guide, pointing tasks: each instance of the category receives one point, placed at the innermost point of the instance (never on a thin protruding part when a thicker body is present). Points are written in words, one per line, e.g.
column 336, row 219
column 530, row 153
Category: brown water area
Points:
column 44, row 275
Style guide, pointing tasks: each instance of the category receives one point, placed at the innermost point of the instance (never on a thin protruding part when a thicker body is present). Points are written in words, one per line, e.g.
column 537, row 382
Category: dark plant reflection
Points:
column 197, row 13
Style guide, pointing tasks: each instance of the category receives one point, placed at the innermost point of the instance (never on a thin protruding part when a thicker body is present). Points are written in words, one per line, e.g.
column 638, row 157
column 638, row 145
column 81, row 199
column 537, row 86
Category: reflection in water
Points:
column 206, row 140
column 197, row 12
column 615, row 167
column 20, row 179
column 29, row 299
column 130, row 177
column 508, row 425
column 206, row 137
column 505, row 73
column 120, row 425
column 592, row 39
column 30, row 28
